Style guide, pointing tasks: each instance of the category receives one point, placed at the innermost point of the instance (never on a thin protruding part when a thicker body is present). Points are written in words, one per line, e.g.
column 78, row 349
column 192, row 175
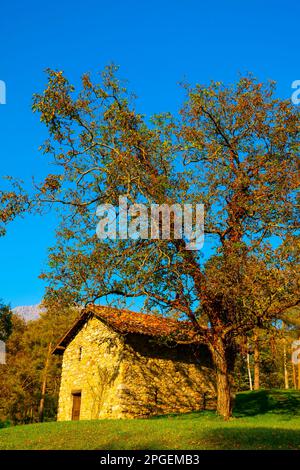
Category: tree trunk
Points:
column 256, row 361
column 286, row 375
column 294, row 376
column 224, row 396
column 44, row 384
column 285, row 369
column 249, row 371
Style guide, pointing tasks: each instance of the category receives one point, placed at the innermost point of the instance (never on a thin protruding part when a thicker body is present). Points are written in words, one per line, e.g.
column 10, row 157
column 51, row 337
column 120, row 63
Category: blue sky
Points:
column 157, row 44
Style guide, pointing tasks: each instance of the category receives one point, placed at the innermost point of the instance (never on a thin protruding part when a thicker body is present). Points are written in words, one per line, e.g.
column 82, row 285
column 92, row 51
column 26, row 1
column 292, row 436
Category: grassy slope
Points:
column 263, row 420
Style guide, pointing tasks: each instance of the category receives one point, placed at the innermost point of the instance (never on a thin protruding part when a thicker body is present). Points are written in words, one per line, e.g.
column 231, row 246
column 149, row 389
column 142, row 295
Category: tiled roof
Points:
column 128, row 322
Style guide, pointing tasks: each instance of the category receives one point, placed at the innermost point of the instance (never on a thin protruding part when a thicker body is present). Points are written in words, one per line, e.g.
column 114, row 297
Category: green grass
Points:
column 262, row 420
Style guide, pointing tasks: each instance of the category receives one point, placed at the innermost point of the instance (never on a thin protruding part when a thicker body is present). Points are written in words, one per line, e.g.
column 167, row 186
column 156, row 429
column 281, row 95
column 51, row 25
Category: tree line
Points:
column 30, row 379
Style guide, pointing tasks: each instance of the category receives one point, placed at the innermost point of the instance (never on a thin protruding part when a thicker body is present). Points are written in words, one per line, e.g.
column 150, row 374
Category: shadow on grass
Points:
column 248, row 438
column 4, row 424
column 267, row 401
column 234, row 438
column 285, row 403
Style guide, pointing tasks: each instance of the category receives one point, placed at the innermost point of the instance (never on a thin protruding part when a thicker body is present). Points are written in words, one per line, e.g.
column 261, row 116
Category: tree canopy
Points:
column 233, row 148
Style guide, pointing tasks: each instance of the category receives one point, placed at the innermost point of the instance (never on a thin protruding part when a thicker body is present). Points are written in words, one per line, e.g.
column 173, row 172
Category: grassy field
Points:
column 262, row 420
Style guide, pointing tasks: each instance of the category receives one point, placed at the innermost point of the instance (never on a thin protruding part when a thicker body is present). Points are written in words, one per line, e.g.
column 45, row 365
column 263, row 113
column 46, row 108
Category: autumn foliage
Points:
column 232, row 148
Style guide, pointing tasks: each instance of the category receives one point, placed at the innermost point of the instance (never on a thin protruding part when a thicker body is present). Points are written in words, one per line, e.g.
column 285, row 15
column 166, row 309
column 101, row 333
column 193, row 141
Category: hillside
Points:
column 263, row 420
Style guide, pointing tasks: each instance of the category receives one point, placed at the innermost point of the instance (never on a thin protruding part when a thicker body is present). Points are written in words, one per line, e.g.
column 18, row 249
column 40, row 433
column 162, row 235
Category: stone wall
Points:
column 132, row 376
column 97, row 375
column 159, row 379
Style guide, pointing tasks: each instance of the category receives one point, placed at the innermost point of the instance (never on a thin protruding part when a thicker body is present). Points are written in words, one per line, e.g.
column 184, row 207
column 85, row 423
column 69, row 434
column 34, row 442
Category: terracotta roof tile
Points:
column 128, row 322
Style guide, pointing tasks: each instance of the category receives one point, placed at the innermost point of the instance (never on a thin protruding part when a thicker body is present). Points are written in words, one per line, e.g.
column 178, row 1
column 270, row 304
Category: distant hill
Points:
column 28, row 312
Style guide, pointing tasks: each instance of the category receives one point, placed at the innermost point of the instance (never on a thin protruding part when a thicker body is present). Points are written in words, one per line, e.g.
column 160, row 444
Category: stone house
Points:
column 121, row 364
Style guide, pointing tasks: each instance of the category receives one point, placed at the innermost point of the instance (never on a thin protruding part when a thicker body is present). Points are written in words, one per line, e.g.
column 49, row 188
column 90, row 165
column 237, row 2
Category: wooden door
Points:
column 76, row 405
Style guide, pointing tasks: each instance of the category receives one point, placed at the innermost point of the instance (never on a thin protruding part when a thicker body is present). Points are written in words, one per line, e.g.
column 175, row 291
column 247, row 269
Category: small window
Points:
column 80, row 353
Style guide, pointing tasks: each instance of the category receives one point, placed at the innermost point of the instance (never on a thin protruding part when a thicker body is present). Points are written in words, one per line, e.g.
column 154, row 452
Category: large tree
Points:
column 232, row 148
